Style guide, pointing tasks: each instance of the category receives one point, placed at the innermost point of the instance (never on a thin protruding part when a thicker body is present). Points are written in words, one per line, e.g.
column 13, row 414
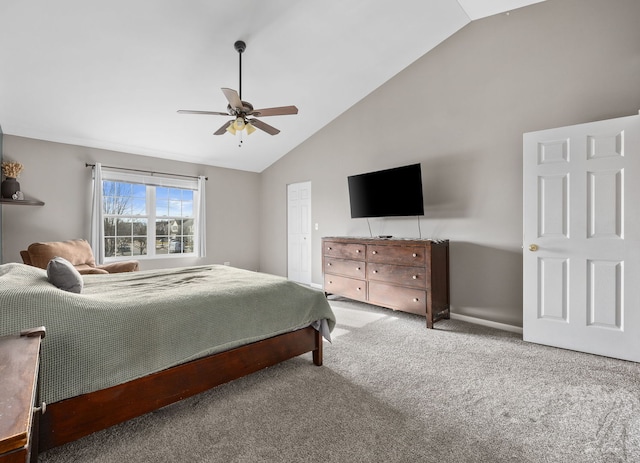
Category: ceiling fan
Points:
column 241, row 111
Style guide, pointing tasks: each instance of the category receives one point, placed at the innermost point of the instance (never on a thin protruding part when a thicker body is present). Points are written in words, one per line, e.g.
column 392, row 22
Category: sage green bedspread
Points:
column 124, row 326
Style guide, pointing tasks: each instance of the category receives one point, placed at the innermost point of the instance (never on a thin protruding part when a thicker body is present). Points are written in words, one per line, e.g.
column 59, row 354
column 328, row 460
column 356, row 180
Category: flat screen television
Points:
column 387, row 193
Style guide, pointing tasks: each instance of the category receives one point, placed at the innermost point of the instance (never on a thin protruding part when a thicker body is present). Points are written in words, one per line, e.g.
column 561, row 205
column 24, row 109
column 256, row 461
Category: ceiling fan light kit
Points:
column 238, row 125
column 242, row 110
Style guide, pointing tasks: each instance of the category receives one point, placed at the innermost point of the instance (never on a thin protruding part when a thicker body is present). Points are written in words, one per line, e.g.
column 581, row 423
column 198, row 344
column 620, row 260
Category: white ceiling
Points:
column 112, row 74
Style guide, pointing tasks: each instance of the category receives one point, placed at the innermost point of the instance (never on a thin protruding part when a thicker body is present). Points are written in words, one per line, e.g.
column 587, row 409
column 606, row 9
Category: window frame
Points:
column 151, row 183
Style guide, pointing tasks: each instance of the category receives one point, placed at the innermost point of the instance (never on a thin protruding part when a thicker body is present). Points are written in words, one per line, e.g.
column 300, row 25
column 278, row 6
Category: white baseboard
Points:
column 480, row 321
column 316, row 286
column 467, row 318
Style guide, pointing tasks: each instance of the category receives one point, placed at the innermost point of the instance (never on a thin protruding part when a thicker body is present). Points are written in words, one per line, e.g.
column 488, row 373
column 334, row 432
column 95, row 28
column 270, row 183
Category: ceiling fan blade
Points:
column 222, row 130
column 232, row 97
column 208, row 113
column 279, row 111
column 264, row 127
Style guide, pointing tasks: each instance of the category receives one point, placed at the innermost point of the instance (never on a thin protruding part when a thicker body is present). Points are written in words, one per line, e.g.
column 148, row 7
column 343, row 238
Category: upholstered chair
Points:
column 78, row 252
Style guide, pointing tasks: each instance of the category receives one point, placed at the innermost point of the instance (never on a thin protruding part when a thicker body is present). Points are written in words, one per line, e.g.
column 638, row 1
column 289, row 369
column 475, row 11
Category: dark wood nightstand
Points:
column 19, row 364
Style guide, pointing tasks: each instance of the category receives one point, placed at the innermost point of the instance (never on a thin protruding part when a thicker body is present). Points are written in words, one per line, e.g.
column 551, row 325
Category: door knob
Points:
column 533, row 247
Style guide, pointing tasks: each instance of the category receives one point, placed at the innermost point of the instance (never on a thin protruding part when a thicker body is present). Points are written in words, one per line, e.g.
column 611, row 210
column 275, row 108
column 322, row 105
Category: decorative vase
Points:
column 9, row 187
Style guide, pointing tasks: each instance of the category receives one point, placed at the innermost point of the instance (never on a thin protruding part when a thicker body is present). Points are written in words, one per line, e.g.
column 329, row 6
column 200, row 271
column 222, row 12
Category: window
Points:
column 175, row 222
column 144, row 216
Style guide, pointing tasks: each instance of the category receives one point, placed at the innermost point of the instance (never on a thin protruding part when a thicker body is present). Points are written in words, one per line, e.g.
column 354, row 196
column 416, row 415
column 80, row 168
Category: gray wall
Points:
column 461, row 111
column 56, row 174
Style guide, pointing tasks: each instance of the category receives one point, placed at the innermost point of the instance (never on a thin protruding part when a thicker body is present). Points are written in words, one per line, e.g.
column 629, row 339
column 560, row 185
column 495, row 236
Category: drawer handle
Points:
column 357, row 268
column 357, row 251
column 375, row 252
column 330, row 282
column 415, row 277
column 415, row 299
column 329, row 264
column 42, row 408
column 359, row 289
column 329, row 248
column 415, row 255
column 375, row 271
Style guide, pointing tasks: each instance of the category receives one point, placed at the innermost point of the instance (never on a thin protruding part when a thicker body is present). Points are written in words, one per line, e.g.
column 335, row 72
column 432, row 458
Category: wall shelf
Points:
column 21, row 202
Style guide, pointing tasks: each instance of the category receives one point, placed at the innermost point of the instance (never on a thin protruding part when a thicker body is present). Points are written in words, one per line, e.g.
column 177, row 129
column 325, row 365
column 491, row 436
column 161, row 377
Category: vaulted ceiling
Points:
column 112, row 74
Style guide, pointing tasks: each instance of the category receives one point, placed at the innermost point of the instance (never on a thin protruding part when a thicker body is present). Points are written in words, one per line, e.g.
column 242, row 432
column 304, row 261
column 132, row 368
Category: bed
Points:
column 134, row 342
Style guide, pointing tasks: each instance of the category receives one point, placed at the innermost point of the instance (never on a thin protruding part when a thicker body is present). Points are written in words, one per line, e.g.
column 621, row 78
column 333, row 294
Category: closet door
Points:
column 299, row 232
column 582, row 237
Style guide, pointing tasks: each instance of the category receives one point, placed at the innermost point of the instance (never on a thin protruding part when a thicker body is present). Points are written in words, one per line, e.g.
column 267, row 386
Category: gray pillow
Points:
column 64, row 275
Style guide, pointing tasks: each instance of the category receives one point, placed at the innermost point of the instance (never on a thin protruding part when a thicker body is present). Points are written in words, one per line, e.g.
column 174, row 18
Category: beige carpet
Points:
column 392, row 391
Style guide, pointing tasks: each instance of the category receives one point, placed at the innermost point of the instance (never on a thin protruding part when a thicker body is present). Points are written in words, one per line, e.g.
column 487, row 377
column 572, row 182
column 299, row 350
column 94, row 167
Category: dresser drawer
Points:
column 347, row 287
column 414, row 277
column 355, row 251
column 348, row 268
column 402, row 255
column 399, row 298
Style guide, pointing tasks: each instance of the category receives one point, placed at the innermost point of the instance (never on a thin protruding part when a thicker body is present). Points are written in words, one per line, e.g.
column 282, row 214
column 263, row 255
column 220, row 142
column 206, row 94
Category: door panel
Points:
column 604, row 292
column 554, row 206
column 581, row 237
column 604, row 204
column 554, row 301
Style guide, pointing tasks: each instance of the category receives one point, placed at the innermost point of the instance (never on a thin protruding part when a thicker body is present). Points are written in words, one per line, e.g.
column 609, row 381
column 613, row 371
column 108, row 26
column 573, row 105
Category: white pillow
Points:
column 64, row 275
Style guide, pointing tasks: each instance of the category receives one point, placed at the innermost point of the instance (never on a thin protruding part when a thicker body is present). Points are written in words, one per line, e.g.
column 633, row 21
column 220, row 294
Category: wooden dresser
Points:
column 19, row 363
column 401, row 274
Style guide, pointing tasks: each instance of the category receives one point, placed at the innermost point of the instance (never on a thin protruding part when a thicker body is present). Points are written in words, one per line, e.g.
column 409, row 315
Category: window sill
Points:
column 146, row 257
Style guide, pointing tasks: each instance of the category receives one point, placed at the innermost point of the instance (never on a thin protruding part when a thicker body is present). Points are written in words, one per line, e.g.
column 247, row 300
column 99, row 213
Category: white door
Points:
column 299, row 232
column 582, row 236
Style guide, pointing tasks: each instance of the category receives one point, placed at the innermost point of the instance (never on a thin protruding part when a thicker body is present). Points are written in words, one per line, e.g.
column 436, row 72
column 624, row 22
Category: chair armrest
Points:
column 119, row 267
column 86, row 270
column 26, row 258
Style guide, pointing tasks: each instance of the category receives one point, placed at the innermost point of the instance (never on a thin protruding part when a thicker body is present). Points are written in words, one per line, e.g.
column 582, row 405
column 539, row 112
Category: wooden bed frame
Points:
column 76, row 417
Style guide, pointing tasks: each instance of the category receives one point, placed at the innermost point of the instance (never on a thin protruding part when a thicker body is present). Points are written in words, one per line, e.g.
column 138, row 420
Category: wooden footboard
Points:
column 73, row 418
